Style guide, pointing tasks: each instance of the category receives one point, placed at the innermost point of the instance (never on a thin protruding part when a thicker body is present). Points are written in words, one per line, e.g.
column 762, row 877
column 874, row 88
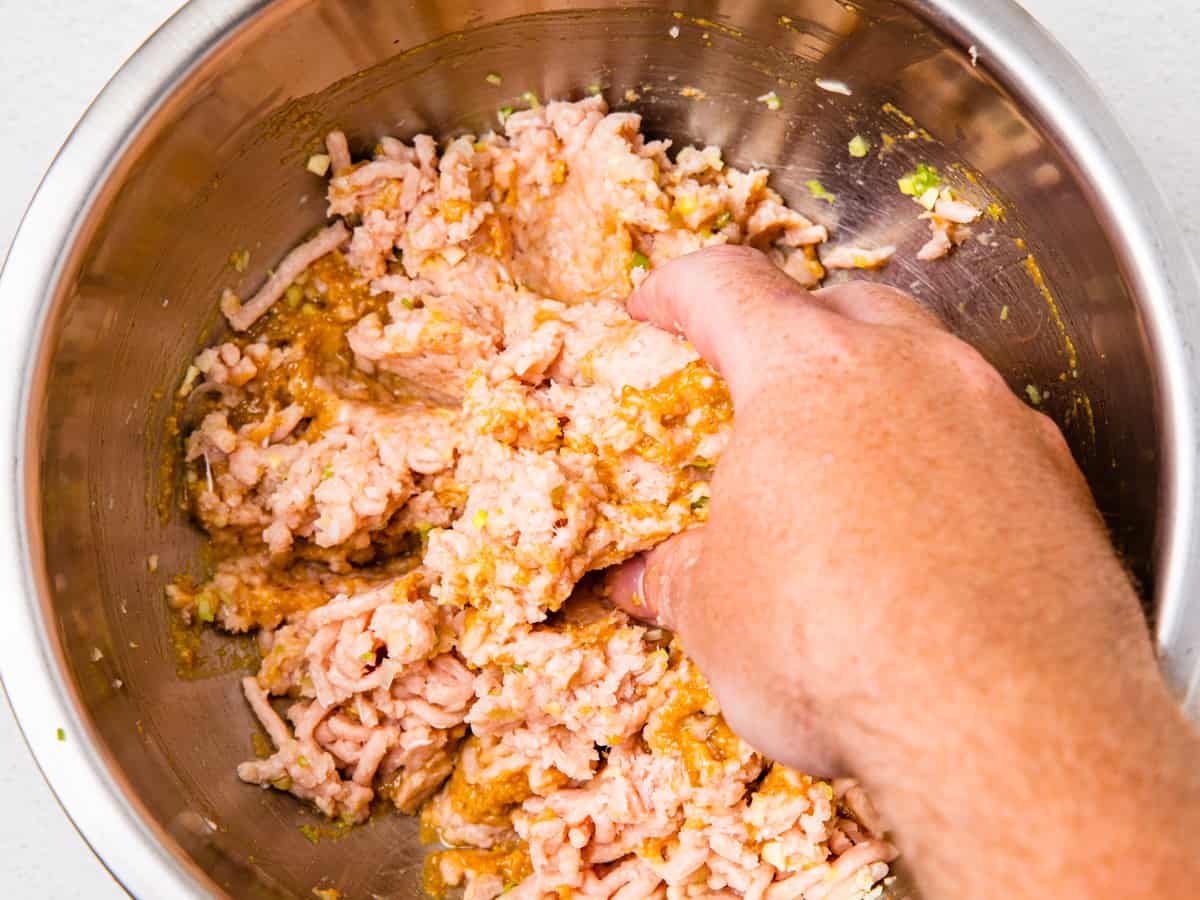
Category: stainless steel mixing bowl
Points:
column 197, row 148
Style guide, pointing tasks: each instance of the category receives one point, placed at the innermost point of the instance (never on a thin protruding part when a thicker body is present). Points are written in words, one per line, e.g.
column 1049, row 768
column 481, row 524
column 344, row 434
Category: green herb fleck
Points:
column 515, row 667
column 638, row 261
column 701, row 463
column 699, row 503
column 859, row 147
column 818, row 190
column 60, row 734
column 311, row 833
column 594, row 89
column 1035, row 396
column 771, row 101
column 407, row 303
column 204, row 611
column 915, row 184
column 531, row 99
column 722, row 220
column 327, row 472
column 282, row 783
column 493, row 78
column 503, row 113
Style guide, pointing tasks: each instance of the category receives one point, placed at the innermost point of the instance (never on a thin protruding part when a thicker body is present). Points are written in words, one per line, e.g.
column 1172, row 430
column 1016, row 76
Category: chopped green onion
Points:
column 818, row 190
column 701, row 463
column 503, row 113
column 531, row 99
column 722, row 220
column 771, row 101
column 204, row 610
column 327, row 472
column 1035, row 396
column 407, row 303
column 859, row 146
column 915, row 184
column 699, row 503
column 60, row 734
column 638, row 261
column 493, row 78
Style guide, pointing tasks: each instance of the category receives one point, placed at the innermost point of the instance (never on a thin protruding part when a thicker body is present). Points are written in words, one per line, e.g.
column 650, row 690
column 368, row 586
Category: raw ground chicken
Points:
column 432, row 422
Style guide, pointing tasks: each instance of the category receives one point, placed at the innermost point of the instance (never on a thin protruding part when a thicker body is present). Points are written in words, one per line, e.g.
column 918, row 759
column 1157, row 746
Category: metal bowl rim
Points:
column 1026, row 60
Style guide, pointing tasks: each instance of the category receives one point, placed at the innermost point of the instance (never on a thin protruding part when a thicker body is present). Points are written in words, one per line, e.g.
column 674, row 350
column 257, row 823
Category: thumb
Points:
column 655, row 586
column 661, row 587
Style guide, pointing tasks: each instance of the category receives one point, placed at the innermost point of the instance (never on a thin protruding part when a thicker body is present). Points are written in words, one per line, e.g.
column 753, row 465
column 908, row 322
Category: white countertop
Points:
column 54, row 57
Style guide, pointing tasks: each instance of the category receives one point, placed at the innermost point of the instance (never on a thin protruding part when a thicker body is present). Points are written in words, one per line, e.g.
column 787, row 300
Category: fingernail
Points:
column 626, row 587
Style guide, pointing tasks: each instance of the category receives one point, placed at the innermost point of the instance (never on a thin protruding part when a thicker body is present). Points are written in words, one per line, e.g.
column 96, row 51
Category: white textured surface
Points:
column 55, row 56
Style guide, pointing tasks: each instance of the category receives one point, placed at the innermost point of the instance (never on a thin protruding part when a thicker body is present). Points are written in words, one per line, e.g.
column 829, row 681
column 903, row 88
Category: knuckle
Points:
column 884, row 292
column 974, row 370
column 1050, row 432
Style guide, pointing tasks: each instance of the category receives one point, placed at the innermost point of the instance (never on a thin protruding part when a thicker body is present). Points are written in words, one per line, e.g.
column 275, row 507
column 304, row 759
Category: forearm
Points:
column 1073, row 796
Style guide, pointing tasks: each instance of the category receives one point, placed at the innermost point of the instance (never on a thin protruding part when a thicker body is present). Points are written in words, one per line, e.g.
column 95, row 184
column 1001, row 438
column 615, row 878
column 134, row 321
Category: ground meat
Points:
column 426, row 434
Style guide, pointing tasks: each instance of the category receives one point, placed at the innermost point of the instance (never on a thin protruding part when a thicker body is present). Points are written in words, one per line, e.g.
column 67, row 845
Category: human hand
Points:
column 904, row 576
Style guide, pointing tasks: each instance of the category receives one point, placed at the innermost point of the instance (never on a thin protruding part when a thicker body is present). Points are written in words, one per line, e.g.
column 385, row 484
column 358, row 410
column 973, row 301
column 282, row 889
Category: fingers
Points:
column 877, row 304
column 730, row 302
column 740, row 311
column 654, row 586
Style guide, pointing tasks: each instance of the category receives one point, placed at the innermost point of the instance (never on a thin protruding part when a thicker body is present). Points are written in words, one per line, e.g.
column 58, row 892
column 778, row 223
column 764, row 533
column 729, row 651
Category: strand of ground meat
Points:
column 242, row 316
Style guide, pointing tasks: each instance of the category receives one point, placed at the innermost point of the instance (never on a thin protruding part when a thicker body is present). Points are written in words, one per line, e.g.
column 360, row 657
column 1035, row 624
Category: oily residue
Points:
column 202, row 653
column 1039, row 281
column 707, row 23
column 1081, row 410
column 915, row 132
column 900, row 114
